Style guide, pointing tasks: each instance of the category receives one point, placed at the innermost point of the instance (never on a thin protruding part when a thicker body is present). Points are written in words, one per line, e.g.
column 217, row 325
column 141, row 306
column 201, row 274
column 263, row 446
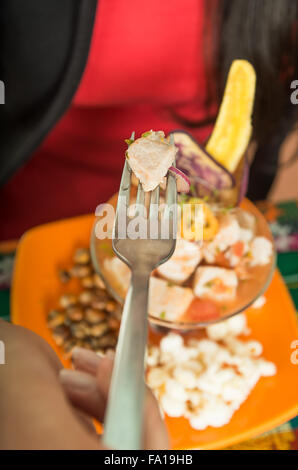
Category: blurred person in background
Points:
column 81, row 75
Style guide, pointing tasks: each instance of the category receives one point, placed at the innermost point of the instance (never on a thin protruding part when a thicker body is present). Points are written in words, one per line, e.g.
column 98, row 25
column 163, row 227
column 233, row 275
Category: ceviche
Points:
column 204, row 281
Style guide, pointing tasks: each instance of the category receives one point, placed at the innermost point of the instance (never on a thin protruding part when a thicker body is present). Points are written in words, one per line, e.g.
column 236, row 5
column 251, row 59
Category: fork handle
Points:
column 123, row 426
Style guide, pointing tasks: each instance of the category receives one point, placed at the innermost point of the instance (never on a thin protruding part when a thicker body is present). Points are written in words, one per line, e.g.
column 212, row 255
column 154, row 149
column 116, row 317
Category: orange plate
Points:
column 274, row 400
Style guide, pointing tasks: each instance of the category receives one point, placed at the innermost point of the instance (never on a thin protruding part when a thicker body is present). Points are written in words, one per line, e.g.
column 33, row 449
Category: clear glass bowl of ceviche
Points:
column 203, row 282
column 233, row 263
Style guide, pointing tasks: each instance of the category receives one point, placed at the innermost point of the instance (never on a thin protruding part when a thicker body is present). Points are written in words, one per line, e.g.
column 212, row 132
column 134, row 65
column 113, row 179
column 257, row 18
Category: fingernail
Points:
column 76, row 380
column 110, row 354
column 86, row 360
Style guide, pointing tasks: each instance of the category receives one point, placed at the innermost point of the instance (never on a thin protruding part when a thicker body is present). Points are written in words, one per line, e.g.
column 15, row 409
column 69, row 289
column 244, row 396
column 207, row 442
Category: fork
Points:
column 123, row 425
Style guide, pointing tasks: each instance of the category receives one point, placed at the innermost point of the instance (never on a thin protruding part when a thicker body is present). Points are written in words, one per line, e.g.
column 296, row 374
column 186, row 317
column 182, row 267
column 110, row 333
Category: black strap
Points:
column 21, row 134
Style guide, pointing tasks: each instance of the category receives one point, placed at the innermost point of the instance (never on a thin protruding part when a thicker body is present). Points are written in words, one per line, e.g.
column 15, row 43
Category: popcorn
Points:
column 203, row 380
column 195, row 398
column 246, row 367
column 175, row 390
column 260, row 302
column 153, row 359
column 172, row 407
column 195, row 365
column 254, row 348
column 232, row 326
column 157, row 377
column 216, row 413
column 267, row 369
column 185, row 376
column 235, row 390
column 208, row 347
column 171, row 343
column 225, row 375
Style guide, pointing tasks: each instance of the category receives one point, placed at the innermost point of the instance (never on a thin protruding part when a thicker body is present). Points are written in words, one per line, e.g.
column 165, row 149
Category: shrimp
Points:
column 216, row 283
column 183, row 262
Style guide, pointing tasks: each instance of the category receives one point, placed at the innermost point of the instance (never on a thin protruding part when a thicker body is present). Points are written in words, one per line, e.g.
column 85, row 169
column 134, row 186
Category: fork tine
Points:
column 154, row 214
column 154, row 205
column 140, row 201
column 140, row 195
column 154, row 201
column 171, row 190
column 123, row 198
column 170, row 214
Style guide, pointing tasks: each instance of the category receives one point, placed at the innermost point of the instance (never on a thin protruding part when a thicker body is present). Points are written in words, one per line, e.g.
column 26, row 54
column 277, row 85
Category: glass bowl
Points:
column 262, row 275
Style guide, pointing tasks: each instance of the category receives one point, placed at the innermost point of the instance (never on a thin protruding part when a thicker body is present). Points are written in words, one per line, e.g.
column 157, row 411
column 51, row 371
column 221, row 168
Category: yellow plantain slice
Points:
column 233, row 127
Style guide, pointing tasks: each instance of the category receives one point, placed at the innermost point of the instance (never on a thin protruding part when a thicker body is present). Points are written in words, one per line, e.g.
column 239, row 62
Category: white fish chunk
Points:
column 246, row 235
column 119, row 271
column 150, row 157
column 181, row 265
column 215, row 283
column 228, row 234
column 168, row 302
column 261, row 251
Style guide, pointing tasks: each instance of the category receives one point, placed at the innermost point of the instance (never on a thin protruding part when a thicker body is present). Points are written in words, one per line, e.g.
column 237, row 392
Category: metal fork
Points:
column 123, row 426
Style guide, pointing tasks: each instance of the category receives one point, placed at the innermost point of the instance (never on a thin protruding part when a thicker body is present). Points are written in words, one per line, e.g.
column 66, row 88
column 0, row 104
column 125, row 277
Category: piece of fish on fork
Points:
column 123, row 426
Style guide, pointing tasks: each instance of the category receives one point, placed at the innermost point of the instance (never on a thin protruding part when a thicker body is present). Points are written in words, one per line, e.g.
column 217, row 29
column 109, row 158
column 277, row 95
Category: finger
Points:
column 155, row 431
column 104, row 373
column 82, row 390
column 87, row 421
column 86, row 392
column 85, row 360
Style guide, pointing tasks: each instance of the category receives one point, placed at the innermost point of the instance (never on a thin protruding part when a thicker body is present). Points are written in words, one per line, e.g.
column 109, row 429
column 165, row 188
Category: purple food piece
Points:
column 204, row 171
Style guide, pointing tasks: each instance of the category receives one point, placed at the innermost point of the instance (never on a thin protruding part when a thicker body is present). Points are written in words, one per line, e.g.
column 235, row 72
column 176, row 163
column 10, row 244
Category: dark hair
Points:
column 265, row 32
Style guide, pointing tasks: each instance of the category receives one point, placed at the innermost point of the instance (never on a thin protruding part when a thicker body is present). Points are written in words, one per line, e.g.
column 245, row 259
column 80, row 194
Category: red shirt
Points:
column 145, row 61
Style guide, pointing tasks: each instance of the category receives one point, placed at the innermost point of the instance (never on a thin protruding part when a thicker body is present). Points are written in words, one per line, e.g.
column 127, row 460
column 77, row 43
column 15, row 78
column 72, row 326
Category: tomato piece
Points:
column 202, row 310
column 238, row 249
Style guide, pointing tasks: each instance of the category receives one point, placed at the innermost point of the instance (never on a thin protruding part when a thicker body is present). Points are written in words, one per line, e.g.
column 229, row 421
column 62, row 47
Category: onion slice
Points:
column 183, row 182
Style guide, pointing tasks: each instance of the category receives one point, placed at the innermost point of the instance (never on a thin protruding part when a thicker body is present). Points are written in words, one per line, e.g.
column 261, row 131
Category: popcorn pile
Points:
column 206, row 380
